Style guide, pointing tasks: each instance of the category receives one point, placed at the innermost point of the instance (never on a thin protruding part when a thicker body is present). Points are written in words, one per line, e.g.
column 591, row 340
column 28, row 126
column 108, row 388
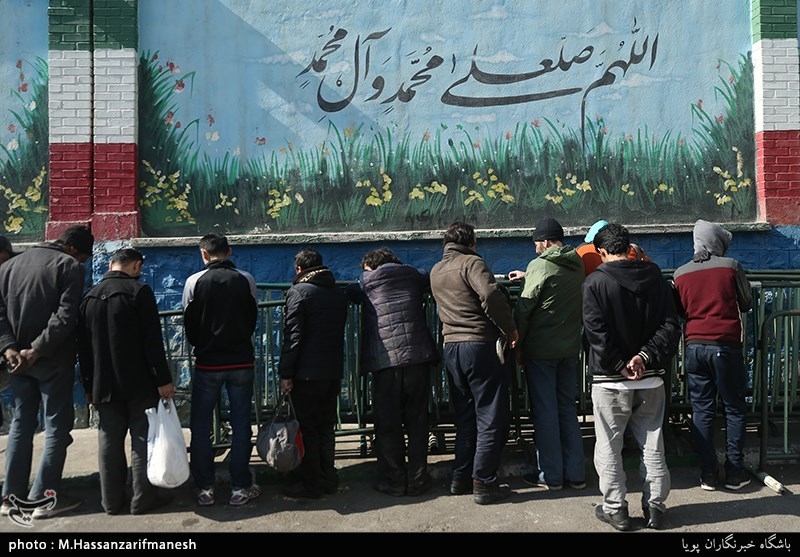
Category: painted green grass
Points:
column 359, row 181
column 23, row 163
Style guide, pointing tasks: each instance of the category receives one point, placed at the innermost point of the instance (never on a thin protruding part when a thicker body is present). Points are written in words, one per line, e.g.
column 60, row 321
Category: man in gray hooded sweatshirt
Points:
column 714, row 292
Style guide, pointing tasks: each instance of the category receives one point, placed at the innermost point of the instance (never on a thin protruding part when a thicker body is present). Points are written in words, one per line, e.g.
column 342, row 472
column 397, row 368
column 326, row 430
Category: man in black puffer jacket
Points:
column 312, row 366
column 398, row 349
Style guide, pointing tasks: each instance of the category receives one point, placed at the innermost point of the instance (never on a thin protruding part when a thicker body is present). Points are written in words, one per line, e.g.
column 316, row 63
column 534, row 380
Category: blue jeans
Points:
column 206, row 391
column 479, row 387
column 553, row 390
column 710, row 371
column 642, row 411
column 52, row 387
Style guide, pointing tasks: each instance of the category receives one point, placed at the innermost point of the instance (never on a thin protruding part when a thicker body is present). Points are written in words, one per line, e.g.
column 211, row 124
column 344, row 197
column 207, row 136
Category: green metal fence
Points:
column 771, row 351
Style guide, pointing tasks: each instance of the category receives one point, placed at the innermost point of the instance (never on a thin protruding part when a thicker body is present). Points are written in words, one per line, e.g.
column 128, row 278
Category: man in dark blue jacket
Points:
column 312, row 366
column 220, row 311
column 398, row 349
column 124, row 372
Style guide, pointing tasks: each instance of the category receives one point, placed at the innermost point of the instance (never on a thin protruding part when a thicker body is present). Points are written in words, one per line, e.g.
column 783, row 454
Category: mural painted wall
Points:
column 23, row 118
column 407, row 115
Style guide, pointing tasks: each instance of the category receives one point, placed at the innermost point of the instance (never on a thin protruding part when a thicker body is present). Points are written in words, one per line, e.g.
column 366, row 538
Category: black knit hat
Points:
column 548, row 229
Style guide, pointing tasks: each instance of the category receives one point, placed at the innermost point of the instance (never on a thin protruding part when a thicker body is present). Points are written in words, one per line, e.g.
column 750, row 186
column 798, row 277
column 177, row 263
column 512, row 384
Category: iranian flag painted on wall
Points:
column 93, row 117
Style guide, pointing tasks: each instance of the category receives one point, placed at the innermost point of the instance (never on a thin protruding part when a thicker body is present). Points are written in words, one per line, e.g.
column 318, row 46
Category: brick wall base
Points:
column 778, row 176
column 115, row 226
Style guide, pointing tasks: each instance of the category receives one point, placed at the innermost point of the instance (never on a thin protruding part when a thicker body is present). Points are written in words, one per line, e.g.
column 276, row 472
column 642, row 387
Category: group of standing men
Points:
column 610, row 297
column 623, row 311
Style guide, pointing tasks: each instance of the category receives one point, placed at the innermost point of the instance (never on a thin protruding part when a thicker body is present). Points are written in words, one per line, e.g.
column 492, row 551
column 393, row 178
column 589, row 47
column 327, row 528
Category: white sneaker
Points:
column 63, row 504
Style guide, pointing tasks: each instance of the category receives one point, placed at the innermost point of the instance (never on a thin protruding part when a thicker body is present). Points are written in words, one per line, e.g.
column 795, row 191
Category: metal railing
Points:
column 771, row 351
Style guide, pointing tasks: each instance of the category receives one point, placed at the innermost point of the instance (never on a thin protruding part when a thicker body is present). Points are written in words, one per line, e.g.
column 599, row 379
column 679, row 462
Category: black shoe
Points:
column 655, row 517
column 161, row 501
column 486, row 494
column 461, row 487
column 300, row 491
column 737, row 481
column 419, row 488
column 396, row 490
column 618, row 520
column 708, row 481
column 330, row 489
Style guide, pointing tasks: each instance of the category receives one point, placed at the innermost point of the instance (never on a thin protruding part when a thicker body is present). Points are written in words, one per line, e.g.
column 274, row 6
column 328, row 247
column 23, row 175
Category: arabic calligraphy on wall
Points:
column 411, row 116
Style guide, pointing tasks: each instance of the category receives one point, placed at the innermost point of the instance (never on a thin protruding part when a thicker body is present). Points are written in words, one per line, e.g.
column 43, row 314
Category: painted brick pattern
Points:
column 70, row 186
column 93, row 116
column 115, row 209
column 774, row 19
column 776, row 69
column 70, row 96
column 776, row 73
column 68, row 25
column 115, row 177
column 70, row 115
column 115, row 24
column 778, row 176
column 115, row 106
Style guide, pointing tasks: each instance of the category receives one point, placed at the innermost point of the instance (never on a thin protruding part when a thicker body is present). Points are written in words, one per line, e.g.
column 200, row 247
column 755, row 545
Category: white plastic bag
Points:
column 167, row 461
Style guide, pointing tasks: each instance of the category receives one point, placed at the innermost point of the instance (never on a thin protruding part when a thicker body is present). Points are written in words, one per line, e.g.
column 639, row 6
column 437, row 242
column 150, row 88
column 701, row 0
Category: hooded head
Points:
column 709, row 239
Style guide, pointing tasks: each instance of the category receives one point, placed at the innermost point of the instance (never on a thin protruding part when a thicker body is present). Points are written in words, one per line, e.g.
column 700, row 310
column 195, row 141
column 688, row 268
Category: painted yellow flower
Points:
column 416, row 193
column 18, row 203
column 473, row 196
column 33, row 194
column 14, row 224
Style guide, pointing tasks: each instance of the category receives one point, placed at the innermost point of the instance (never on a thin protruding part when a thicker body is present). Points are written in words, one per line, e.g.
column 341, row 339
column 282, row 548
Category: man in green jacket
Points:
column 548, row 317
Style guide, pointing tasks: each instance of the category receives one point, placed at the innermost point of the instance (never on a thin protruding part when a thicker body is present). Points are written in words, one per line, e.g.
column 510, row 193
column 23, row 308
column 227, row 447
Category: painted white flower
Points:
column 212, row 136
column 32, row 106
column 13, row 145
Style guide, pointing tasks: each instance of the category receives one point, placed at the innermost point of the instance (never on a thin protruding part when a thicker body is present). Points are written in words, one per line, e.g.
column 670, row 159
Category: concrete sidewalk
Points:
column 357, row 507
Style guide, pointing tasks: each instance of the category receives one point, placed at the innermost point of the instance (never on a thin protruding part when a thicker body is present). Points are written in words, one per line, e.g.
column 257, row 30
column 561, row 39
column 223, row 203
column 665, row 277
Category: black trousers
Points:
column 316, row 406
column 400, row 408
column 480, row 391
column 117, row 418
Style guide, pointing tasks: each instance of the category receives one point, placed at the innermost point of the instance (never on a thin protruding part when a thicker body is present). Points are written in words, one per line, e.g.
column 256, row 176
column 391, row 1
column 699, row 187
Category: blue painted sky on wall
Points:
column 25, row 40
column 273, row 73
